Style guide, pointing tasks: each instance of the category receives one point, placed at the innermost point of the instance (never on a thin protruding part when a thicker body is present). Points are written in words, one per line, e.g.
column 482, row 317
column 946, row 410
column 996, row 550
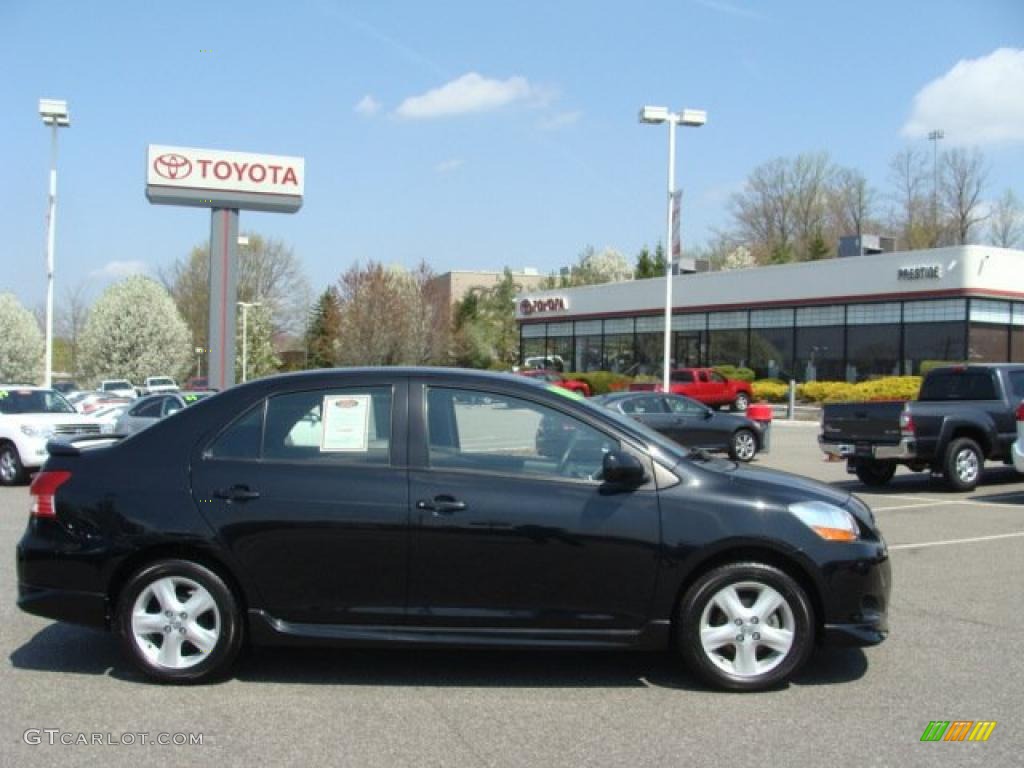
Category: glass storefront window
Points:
column 872, row 351
column 931, row 341
column 618, row 353
column 771, row 352
column 820, row 353
column 560, row 352
column 649, row 349
column 727, row 348
column 988, row 343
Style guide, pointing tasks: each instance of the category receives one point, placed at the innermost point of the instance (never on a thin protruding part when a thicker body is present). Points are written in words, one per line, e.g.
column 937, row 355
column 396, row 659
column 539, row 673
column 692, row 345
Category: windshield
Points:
column 109, row 385
column 161, row 382
column 33, row 401
column 645, row 433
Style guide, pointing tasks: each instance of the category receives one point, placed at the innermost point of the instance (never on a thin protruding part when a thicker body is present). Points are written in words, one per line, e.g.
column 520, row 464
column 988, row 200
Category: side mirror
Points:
column 621, row 468
column 708, row 413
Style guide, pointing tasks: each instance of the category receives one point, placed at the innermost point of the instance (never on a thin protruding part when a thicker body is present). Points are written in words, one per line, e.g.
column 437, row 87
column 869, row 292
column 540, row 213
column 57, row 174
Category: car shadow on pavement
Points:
column 72, row 649
column 922, row 482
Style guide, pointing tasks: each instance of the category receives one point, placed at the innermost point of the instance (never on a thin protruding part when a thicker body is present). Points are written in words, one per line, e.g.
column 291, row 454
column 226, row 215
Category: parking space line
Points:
column 968, row 502
column 910, row 506
column 1018, row 534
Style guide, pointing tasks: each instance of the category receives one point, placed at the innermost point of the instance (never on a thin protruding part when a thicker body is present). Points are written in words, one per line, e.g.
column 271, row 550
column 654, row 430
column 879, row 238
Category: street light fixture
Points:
column 245, row 335
column 692, row 118
column 935, row 137
column 54, row 113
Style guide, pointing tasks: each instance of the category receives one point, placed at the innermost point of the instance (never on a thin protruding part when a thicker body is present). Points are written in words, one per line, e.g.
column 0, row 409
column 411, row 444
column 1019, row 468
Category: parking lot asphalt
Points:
column 956, row 652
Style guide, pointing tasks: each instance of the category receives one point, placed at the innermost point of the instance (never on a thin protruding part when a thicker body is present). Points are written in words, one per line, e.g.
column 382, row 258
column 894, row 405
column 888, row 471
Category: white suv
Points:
column 29, row 416
column 119, row 387
column 156, row 384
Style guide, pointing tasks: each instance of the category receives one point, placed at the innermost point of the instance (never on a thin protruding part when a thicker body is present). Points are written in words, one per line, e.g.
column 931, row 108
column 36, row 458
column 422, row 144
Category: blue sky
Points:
column 471, row 134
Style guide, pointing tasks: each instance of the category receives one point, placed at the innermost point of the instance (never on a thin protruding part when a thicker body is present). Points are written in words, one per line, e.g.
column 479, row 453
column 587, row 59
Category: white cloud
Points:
column 560, row 120
column 447, row 166
column 117, row 270
column 466, row 94
column 979, row 101
column 367, row 106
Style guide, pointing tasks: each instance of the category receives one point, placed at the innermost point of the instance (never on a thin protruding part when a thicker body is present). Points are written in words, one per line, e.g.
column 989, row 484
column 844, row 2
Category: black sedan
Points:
column 411, row 507
column 690, row 423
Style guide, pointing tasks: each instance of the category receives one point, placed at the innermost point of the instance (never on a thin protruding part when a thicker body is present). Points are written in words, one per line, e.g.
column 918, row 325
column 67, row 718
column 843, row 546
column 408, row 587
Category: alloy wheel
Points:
column 967, row 465
column 747, row 629
column 744, row 446
column 175, row 622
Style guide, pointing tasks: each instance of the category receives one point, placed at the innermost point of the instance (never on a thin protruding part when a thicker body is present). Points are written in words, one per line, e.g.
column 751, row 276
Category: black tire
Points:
column 780, row 666
column 875, row 473
column 963, row 464
column 12, row 471
column 741, row 403
column 743, row 445
column 213, row 664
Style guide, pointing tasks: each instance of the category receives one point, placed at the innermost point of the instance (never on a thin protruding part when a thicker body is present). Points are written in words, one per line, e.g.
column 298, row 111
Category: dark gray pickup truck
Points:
column 964, row 415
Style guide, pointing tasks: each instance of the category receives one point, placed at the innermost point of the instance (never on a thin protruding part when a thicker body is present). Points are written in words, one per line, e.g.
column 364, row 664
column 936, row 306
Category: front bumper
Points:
column 904, row 450
column 31, row 450
column 857, row 598
column 1017, row 451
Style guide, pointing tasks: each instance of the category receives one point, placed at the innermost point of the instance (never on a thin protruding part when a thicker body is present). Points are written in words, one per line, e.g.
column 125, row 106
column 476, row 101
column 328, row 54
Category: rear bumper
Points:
column 904, row 450
column 1017, row 451
column 89, row 608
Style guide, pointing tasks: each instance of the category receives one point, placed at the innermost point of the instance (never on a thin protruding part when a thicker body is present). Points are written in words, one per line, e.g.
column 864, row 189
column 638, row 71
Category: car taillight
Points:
column 1020, row 412
column 43, row 488
column 906, row 424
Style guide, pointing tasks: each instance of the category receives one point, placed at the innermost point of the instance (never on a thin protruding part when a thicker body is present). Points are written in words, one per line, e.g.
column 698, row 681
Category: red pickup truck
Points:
column 706, row 386
column 553, row 377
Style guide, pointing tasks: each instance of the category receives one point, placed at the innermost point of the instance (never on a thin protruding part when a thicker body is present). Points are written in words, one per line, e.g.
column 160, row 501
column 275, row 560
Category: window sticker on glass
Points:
column 566, row 393
column 346, row 421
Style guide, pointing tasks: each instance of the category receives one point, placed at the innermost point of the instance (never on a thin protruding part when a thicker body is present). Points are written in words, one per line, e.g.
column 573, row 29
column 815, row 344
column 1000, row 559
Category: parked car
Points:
column 418, row 516
column 119, row 387
column 1018, row 447
column 553, row 377
column 704, row 385
column 690, row 423
column 156, row 384
column 89, row 402
column 196, row 384
column 963, row 415
column 553, row 363
column 29, row 417
column 66, row 387
column 107, row 415
column 150, row 409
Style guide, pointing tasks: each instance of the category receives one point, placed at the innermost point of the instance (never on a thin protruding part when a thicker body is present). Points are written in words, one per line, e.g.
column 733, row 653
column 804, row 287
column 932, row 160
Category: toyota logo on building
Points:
column 172, row 166
column 526, row 306
column 551, row 304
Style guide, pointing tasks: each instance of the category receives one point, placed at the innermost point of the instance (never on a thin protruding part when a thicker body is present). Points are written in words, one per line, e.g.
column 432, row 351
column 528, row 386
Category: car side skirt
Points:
column 264, row 629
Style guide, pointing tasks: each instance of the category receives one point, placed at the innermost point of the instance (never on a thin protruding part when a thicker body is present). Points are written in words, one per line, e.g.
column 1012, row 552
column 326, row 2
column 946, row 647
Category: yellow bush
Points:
column 772, row 390
column 890, row 388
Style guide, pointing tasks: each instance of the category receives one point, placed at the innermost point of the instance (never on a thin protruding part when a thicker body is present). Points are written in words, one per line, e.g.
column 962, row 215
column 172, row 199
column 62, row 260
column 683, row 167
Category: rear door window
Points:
column 150, row 409
column 1017, row 384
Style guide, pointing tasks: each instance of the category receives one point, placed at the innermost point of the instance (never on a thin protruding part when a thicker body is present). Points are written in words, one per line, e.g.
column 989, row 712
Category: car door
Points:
column 650, row 410
column 308, row 491
column 718, row 389
column 695, row 423
column 508, row 536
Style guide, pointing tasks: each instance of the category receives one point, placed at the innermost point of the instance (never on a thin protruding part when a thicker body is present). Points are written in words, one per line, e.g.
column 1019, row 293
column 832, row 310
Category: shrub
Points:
column 734, row 372
column 772, row 390
column 602, row 382
column 889, row 388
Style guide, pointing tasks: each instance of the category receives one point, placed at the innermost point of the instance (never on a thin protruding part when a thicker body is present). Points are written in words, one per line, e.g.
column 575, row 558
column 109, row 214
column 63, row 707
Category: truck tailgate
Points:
column 862, row 422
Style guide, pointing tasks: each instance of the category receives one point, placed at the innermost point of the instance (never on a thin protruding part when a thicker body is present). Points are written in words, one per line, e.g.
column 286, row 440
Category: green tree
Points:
column 134, row 331
column 324, row 330
column 486, row 335
column 23, row 347
column 648, row 265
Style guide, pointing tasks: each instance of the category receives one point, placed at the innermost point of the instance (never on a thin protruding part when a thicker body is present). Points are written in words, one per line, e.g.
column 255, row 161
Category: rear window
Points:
column 111, row 385
column 682, row 377
column 959, row 385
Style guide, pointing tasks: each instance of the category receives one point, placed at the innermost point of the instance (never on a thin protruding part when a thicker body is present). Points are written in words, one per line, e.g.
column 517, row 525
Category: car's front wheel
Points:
column 12, row 471
column 745, row 626
column 179, row 622
column 743, row 445
column 742, row 402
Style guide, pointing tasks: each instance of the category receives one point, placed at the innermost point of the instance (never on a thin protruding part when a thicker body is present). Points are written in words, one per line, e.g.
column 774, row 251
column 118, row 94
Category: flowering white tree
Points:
column 261, row 359
column 134, row 331
column 606, row 266
column 21, row 343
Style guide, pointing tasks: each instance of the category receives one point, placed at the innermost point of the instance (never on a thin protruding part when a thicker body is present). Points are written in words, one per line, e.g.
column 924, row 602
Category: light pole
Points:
column 55, row 114
column 245, row 335
column 693, row 118
column 935, row 137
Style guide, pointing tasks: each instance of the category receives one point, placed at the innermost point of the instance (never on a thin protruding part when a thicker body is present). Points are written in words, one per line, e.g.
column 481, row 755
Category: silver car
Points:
column 150, row 409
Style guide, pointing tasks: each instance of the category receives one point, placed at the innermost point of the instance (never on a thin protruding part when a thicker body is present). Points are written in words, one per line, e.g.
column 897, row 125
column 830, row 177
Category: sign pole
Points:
column 220, row 366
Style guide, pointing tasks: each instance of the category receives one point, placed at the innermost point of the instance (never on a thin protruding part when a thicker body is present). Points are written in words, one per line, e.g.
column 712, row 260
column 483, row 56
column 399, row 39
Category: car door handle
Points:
column 441, row 505
column 237, row 493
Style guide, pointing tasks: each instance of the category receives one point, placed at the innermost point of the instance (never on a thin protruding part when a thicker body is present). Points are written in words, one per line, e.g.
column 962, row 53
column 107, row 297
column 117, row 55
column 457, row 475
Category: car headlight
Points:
column 41, row 432
column 827, row 520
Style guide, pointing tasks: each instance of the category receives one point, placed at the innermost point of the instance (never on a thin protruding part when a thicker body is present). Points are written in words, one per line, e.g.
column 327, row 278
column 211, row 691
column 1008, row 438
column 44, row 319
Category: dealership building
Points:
column 839, row 319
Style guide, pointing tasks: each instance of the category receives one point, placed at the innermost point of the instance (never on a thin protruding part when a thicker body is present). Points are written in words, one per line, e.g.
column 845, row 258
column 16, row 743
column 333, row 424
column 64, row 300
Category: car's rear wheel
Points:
column 179, row 622
column 12, row 471
column 743, row 445
column 964, row 462
column 745, row 626
column 741, row 402
column 875, row 473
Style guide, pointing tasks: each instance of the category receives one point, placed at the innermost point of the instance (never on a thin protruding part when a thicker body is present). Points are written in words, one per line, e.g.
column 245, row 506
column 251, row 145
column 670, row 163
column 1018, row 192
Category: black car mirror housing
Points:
column 622, row 468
